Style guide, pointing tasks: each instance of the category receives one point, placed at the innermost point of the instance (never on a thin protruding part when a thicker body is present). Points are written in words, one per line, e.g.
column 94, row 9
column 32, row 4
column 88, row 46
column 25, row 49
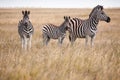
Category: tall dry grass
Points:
column 102, row 62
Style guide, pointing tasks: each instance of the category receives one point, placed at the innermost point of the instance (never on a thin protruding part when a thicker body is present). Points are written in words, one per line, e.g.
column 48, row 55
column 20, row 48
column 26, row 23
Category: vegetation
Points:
column 101, row 62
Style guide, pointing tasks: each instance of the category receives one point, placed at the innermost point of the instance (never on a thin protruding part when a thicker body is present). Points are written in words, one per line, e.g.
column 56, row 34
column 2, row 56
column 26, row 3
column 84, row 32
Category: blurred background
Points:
column 58, row 3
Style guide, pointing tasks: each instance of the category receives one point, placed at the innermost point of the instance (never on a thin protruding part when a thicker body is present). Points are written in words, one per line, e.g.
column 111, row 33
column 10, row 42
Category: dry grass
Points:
column 102, row 62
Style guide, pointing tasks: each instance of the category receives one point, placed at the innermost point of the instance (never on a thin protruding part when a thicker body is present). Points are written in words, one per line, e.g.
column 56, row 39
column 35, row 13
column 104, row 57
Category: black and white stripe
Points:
column 51, row 31
column 87, row 28
column 25, row 30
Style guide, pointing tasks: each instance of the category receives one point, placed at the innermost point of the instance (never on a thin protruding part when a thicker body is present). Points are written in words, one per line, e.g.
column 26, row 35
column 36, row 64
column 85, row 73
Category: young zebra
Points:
column 51, row 31
column 25, row 30
column 87, row 28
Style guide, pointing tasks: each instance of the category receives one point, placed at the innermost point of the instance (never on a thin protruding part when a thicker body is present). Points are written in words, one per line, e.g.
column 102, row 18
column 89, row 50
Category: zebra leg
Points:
column 92, row 39
column 47, row 40
column 60, row 40
column 72, row 39
column 23, row 42
column 30, row 40
column 86, row 40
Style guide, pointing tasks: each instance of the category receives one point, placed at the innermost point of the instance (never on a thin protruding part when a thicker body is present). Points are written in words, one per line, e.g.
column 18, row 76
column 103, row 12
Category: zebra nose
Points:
column 108, row 19
column 66, row 28
column 26, row 24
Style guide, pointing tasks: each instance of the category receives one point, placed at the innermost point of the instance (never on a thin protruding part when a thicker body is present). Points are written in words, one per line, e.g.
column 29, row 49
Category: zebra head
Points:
column 93, row 12
column 66, row 22
column 99, row 14
column 102, row 16
column 65, row 25
column 25, row 20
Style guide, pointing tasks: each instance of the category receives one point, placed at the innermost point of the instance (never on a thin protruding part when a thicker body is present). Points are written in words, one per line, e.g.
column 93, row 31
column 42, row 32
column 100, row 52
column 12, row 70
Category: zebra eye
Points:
column 102, row 13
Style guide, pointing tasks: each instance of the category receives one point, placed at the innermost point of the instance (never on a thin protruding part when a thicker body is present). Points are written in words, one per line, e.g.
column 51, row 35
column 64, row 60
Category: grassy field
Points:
column 102, row 62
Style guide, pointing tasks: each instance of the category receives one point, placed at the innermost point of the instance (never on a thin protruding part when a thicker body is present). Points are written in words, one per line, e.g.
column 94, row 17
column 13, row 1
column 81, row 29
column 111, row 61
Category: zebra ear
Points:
column 64, row 17
column 69, row 17
column 23, row 12
column 100, row 7
column 28, row 12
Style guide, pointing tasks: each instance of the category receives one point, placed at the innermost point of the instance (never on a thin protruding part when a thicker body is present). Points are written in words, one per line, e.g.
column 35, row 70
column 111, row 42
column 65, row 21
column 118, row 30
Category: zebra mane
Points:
column 61, row 25
column 98, row 7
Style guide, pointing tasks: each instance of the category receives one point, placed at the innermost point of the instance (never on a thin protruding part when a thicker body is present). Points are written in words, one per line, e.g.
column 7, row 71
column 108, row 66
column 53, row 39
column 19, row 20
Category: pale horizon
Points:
column 58, row 4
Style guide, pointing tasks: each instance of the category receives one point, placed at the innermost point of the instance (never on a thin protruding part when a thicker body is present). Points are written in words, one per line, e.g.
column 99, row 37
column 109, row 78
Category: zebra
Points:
column 87, row 28
column 51, row 31
column 25, row 30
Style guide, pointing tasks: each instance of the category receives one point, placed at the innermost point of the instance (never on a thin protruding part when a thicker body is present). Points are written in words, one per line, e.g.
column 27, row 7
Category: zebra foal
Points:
column 25, row 30
column 50, row 31
column 87, row 28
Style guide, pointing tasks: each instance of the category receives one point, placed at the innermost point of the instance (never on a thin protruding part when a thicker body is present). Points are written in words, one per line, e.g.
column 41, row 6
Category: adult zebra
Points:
column 51, row 31
column 87, row 28
column 25, row 30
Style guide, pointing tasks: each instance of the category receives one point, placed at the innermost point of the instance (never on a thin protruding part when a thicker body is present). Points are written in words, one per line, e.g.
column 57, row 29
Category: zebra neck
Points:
column 25, row 18
column 94, row 22
column 62, row 28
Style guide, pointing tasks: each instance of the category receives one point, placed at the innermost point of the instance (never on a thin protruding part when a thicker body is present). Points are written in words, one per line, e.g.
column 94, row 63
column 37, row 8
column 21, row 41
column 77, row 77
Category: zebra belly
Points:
column 80, row 36
column 53, row 36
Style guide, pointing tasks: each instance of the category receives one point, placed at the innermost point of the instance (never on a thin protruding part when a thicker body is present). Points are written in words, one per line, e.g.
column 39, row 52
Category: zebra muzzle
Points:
column 28, row 36
column 108, row 19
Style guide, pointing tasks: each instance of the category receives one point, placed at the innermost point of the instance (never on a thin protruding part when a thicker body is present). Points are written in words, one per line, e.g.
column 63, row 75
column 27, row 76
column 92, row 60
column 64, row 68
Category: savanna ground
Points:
column 101, row 62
